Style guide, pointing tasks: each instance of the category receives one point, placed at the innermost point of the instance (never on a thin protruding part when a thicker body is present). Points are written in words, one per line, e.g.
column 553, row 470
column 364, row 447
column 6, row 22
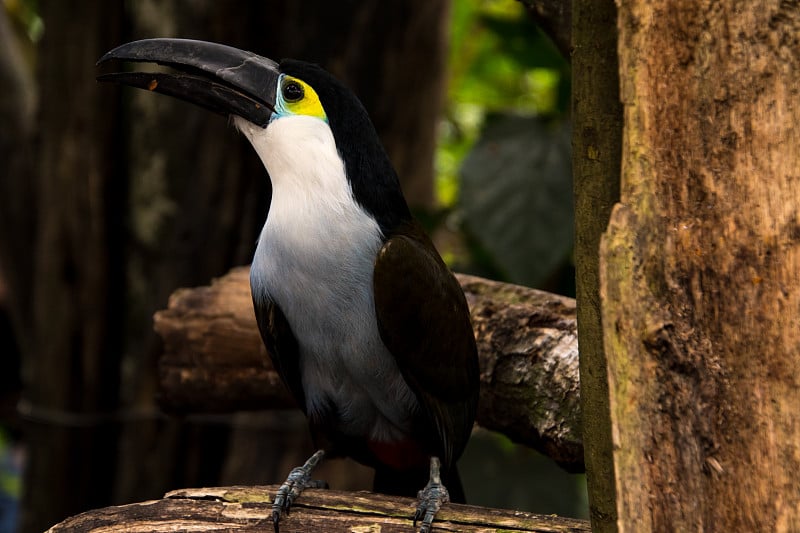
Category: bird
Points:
column 363, row 320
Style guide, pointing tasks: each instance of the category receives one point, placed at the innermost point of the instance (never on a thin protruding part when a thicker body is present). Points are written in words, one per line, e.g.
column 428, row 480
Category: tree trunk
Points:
column 596, row 143
column 17, row 216
column 17, row 213
column 701, row 268
column 71, row 359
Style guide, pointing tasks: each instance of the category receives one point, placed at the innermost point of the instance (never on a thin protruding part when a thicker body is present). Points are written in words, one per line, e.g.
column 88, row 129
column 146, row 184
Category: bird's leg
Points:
column 431, row 498
column 299, row 479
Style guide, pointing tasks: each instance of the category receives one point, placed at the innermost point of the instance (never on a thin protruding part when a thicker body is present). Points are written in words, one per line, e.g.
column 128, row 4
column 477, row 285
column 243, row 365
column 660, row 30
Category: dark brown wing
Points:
column 424, row 321
column 282, row 347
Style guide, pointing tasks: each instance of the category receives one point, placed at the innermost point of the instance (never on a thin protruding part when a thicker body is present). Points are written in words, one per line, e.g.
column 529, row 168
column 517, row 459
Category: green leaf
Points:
column 516, row 196
column 499, row 62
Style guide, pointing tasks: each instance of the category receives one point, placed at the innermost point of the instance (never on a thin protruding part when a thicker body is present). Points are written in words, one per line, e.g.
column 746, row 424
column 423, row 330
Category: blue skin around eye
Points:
column 280, row 105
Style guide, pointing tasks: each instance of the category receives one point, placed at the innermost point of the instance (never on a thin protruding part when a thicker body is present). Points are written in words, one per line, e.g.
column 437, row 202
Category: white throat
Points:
column 315, row 260
column 313, row 220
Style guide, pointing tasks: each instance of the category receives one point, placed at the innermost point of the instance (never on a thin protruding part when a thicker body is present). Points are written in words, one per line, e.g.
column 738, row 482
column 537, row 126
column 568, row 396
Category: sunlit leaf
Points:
column 499, row 62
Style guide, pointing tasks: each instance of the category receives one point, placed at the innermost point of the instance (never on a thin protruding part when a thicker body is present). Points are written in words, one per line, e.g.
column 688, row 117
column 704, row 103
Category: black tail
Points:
column 409, row 482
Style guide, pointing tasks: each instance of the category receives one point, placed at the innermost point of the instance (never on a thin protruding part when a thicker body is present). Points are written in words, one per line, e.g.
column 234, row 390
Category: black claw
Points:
column 431, row 499
column 417, row 517
column 295, row 483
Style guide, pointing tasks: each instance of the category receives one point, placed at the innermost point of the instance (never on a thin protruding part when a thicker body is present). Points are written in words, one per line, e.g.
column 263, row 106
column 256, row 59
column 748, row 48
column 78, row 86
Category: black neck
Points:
column 372, row 177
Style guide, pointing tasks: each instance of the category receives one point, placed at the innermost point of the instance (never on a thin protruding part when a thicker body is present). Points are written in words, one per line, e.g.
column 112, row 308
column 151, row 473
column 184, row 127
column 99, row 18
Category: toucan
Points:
column 362, row 319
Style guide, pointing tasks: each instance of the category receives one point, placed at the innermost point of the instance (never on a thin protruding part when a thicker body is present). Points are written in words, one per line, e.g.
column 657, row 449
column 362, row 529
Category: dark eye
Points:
column 292, row 91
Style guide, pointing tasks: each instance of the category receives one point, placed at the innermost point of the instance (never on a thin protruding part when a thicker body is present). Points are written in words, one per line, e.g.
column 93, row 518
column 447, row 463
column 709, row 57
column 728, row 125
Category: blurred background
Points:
column 110, row 199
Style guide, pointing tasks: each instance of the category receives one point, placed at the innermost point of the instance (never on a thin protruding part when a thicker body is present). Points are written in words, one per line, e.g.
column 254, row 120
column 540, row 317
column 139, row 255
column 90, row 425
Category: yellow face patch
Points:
column 298, row 98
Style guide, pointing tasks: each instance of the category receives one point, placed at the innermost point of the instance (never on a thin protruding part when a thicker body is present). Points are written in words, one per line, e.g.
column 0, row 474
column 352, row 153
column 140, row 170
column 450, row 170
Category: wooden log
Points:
column 214, row 360
column 700, row 268
column 249, row 509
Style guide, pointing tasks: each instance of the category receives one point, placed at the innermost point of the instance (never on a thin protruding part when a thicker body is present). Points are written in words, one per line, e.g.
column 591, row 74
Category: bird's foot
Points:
column 431, row 499
column 298, row 480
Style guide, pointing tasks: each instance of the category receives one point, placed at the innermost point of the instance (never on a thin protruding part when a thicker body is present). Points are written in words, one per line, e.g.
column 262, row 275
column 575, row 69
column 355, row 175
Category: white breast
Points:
column 315, row 259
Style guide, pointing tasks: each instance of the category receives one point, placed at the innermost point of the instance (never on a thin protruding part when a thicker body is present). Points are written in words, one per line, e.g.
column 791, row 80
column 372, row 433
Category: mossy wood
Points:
column 596, row 143
column 249, row 509
column 700, row 268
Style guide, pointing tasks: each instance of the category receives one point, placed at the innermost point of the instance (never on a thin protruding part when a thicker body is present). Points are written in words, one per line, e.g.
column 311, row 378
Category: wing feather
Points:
column 424, row 321
column 281, row 346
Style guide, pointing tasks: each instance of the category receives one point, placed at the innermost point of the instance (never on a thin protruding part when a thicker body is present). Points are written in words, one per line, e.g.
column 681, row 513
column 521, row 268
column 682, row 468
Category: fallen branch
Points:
column 250, row 509
column 214, row 360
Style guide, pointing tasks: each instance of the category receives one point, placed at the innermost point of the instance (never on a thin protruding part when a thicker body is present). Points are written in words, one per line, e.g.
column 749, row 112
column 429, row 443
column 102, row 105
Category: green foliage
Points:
column 501, row 64
column 516, row 196
column 504, row 170
column 499, row 61
column 498, row 473
column 10, row 481
column 25, row 14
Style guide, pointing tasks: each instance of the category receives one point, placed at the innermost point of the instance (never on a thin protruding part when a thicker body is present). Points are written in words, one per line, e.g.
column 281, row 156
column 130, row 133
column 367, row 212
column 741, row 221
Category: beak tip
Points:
column 111, row 54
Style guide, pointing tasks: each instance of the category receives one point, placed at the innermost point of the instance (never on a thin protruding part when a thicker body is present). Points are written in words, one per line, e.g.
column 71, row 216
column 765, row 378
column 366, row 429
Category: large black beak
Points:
column 220, row 78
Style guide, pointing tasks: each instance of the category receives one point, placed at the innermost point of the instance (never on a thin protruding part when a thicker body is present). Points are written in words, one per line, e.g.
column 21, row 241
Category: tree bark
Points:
column 596, row 147
column 71, row 359
column 249, row 509
column 17, row 212
column 214, row 360
column 701, row 268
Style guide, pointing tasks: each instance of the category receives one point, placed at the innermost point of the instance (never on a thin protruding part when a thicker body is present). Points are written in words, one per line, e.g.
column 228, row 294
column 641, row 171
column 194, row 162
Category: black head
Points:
column 372, row 177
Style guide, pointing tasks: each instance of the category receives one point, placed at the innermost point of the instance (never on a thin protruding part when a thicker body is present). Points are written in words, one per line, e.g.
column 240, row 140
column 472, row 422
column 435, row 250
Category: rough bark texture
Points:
column 249, row 509
column 701, row 268
column 214, row 359
column 528, row 349
column 596, row 143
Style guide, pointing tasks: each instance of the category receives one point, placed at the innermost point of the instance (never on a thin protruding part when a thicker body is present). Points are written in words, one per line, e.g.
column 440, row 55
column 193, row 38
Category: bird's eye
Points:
column 293, row 91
